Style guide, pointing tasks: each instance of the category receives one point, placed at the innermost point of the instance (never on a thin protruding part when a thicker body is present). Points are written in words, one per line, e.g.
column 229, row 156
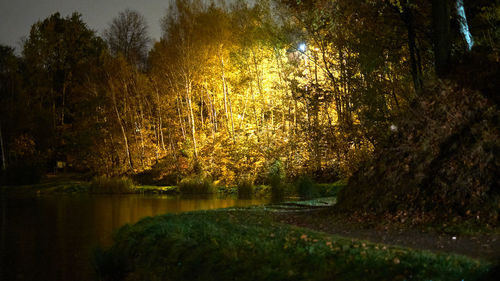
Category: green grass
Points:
column 331, row 189
column 153, row 189
column 258, row 191
column 245, row 244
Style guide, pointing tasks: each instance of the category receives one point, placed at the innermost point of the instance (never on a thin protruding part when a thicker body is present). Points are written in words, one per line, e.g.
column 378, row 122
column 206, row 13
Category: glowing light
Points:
column 464, row 27
column 302, row 47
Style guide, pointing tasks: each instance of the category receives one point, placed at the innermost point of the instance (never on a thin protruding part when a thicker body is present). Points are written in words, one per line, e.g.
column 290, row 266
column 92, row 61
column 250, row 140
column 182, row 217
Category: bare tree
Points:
column 127, row 35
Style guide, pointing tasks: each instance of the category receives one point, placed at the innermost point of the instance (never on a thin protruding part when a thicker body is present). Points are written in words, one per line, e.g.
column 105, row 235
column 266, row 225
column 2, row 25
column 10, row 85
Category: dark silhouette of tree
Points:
column 59, row 55
column 127, row 35
column 9, row 84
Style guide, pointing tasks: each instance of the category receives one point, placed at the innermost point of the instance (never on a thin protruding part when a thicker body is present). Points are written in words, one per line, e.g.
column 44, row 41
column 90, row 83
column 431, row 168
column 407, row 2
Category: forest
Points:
column 372, row 91
column 360, row 137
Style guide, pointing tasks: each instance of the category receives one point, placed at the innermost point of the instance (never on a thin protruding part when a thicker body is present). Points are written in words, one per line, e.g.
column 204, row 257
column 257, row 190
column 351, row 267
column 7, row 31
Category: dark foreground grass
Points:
column 248, row 245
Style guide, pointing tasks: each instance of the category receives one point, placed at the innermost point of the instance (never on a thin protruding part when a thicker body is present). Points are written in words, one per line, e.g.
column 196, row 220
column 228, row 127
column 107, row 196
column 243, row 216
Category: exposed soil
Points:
column 482, row 246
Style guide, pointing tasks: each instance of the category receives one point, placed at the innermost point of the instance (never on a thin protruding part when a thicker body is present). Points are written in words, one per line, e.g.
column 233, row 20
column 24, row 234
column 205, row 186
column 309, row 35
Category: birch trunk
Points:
column 124, row 134
column 4, row 164
column 191, row 114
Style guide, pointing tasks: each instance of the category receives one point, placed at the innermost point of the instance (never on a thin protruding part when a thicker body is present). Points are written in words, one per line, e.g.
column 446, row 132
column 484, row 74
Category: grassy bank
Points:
column 74, row 184
column 124, row 185
column 248, row 245
column 51, row 185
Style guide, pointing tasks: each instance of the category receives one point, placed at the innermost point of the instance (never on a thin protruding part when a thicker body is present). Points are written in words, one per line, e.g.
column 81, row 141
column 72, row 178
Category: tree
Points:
column 59, row 54
column 9, row 87
column 442, row 36
column 127, row 35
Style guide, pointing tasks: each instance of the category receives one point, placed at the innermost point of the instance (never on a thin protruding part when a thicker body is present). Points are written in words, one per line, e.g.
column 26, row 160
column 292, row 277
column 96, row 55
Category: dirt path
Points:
column 483, row 246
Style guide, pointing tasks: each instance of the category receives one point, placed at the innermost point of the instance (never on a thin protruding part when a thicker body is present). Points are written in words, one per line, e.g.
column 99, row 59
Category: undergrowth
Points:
column 439, row 161
column 245, row 187
column 113, row 185
column 197, row 184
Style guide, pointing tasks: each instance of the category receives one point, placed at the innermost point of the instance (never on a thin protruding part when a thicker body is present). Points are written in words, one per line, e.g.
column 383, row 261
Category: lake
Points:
column 52, row 237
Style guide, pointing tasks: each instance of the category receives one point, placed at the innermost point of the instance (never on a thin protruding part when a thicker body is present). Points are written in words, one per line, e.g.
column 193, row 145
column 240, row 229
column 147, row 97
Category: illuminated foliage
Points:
column 230, row 88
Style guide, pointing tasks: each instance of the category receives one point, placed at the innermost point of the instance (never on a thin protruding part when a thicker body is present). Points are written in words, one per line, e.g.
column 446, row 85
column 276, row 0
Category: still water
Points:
column 52, row 237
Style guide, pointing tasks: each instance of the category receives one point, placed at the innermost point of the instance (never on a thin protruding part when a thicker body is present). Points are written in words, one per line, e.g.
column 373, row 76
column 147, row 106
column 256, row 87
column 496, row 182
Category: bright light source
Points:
column 302, row 47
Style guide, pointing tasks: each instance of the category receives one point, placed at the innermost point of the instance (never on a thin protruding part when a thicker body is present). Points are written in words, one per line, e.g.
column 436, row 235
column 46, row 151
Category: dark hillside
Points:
column 443, row 159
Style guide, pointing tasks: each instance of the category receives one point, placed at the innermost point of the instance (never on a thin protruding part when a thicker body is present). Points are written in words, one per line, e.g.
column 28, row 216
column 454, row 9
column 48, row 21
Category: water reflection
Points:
column 50, row 238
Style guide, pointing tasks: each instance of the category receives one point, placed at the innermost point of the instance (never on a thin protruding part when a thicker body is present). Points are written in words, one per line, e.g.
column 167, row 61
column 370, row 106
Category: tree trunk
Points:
column 227, row 101
column 63, row 103
column 4, row 164
column 115, row 162
column 181, row 120
column 442, row 34
column 139, row 117
column 232, row 119
column 213, row 112
column 412, row 46
column 191, row 114
column 125, row 139
column 201, row 113
column 254, row 106
column 464, row 26
column 141, row 136
column 160, row 121
column 224, row 88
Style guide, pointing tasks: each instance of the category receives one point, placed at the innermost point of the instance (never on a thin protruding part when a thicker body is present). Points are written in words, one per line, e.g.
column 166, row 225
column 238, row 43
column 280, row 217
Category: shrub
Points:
column 163, row 173
column 329, row 173
column 197, row 184
column 106, row 185
column 108, row 265
column 22, row 173
column 245, row 187
column 331, row 189
column 276, row 177
column 307, row 188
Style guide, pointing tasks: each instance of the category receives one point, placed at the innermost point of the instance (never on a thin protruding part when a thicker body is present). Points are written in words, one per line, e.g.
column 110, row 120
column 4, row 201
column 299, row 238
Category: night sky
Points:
column 17, row 16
